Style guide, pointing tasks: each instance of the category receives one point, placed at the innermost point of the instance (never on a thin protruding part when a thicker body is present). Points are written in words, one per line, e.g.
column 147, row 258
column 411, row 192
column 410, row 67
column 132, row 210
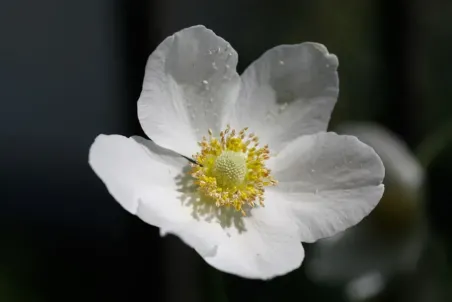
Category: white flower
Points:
column 388, row 242
column 313, row 183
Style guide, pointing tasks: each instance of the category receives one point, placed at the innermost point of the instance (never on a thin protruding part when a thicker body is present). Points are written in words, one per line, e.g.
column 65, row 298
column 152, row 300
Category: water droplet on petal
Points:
column 210, row 51
column 205, row 84
column 214, row 66
column 312, row 170
column 227, row 66
column 281, row 62
column 226, row 48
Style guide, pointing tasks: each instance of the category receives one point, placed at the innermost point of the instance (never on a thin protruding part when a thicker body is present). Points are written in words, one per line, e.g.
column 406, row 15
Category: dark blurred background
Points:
column 70, row 70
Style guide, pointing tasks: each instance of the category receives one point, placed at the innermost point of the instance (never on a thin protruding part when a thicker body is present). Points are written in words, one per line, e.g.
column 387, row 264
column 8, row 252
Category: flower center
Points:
column 231, row 169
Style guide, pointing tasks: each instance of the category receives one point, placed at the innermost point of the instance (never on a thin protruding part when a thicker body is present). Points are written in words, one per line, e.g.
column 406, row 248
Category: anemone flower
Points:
column 263, row 175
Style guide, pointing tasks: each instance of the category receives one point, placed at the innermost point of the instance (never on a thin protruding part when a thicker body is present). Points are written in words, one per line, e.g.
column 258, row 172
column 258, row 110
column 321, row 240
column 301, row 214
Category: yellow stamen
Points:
column 231, row 169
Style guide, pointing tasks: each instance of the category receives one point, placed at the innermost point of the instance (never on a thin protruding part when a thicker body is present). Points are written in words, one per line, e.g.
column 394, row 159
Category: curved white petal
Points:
column 189, row 82
column 289, row 91
column 262, row 245
column 327, row 182
column 401, row 165
column 267, row 247
column 127, row 169
column 144, row 178
column 151, row 182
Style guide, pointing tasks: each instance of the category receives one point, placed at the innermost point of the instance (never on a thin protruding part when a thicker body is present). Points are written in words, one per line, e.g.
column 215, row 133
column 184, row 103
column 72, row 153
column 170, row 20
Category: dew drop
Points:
column 214, row 66
column 206, row 84
column 281, row 62
column 229, row 54
column 226, row 48
column 210, row 52
column 312, row 171
column 227, row 66
column 218, row 50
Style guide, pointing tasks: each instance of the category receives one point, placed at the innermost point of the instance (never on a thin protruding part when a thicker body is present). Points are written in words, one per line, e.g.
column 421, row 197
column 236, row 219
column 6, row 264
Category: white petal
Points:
column 189, row 82
column 327, row 182
column 127, row 169
column 260, row 246
column 267, row 247
column 150, row 182
column 291, row 90
column 145, row 180
column 402, row 168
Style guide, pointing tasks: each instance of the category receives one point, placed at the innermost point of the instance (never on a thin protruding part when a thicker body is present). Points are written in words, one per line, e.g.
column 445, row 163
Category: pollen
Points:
column 230, row 169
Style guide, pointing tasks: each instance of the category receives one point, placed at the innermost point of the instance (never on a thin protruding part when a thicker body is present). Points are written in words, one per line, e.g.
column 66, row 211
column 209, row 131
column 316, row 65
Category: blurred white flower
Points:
column 366, row 286
column 389, row 241
column 313, row 183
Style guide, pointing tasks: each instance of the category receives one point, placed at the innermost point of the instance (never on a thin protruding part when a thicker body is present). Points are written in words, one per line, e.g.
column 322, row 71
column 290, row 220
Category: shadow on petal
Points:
column 204, row 208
